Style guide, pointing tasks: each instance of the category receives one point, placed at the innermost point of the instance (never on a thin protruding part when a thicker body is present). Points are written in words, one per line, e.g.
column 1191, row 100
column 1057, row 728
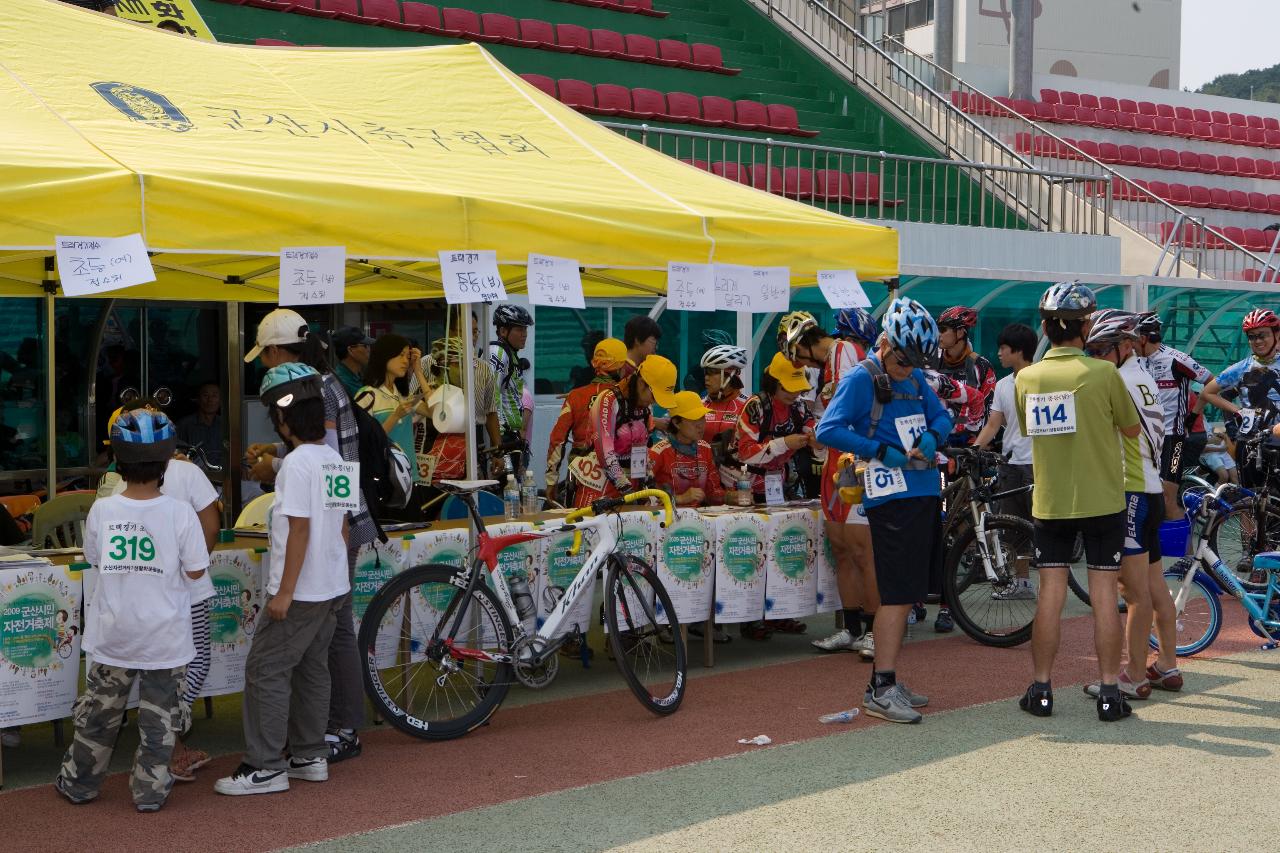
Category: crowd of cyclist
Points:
column 861, row 417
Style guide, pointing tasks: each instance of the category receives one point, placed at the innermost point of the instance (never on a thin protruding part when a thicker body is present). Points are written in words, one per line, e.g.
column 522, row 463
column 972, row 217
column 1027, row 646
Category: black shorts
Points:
column 1103, row 541
column 1172, row 458
column 1013, row 477
column 906, row 538
column 1143, row 514
column 1192, row 448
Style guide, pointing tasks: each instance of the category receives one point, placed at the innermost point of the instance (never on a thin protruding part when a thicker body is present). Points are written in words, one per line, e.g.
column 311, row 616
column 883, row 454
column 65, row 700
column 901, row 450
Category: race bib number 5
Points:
column 882, row 481
column 341, row 486
column 1051, row 414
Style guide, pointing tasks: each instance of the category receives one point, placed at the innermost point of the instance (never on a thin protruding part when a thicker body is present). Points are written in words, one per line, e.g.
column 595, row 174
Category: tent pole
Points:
column 50, row 392
column 233, row 409
column 468, row 372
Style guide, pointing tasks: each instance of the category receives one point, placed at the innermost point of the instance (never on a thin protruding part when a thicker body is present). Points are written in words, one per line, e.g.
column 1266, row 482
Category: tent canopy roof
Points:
column 220, row 155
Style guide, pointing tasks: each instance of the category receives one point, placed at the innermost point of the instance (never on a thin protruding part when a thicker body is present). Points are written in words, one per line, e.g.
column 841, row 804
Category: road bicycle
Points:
column 456, row 642
column 1197, row 582
column 1253, row 524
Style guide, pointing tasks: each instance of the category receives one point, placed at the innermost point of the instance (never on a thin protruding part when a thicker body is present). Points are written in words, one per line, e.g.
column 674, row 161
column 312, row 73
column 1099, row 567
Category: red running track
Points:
column 541, row 748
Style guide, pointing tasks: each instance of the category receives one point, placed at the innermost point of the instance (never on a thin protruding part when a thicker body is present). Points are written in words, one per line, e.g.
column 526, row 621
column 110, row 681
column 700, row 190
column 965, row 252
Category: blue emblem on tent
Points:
column 143, row 105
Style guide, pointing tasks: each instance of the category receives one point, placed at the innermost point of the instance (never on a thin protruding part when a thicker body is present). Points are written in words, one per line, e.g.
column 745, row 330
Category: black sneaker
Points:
column 1113, row 708
column 920, row 612
column 943, row 624
column 346, row 746
column 1038, row 703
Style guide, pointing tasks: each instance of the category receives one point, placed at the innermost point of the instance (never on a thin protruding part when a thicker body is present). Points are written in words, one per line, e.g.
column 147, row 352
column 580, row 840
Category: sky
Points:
column 1227, row 37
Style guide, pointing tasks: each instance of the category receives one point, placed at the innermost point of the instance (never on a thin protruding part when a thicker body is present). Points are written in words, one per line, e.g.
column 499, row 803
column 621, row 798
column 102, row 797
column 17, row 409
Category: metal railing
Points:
column 914, row 85
column 876, row 184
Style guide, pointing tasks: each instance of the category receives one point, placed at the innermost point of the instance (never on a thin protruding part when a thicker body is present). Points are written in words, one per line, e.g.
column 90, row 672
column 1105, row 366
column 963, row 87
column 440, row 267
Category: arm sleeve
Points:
column 1020, row 405
column 192, row 554
column 92, row 551
column 852, row 400
column 934, row 412
column 1191, row 369
column 297, row 488
column 198, row 488
column 753, row 448
column 604, row 418
column 555, row 447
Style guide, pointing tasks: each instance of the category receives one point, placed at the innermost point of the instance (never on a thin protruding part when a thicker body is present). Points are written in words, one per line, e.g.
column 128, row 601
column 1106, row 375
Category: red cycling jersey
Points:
column 679, row 471
column 573, row 422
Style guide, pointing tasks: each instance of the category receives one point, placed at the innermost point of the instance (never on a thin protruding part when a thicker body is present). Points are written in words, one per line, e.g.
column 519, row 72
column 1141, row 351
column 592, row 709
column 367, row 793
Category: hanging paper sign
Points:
column 555, row 281
column 842, row 289
column 315, row 275
column 691, row 287
column 471, row 277
column 757, row 290
column 91, row 265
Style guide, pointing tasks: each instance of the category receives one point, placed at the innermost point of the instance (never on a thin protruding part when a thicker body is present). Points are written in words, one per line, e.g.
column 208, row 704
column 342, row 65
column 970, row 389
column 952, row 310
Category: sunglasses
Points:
column 1098, row 352
column 1257, row 336
column 899, row 359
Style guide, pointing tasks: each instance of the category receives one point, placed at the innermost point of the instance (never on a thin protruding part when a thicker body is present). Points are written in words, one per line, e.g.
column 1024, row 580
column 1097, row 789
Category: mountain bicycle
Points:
column 1252, row 526
column 458, row 642
column 1197, row 582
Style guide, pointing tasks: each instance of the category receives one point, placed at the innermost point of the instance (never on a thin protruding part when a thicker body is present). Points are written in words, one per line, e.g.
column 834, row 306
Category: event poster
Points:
column 639, row 538
column 740, row 544
column 524, row 561
column 376, row 564
column 561, row 568
column 39, row 644
column 426, row 604
column 686, row 566
column 233, row 613
column 790, row 579
column 827, row 593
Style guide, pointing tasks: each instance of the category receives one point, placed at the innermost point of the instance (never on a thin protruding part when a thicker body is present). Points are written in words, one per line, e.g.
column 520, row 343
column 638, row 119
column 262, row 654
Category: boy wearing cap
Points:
column 351, row 351
column 682, row 463
column 286, row 692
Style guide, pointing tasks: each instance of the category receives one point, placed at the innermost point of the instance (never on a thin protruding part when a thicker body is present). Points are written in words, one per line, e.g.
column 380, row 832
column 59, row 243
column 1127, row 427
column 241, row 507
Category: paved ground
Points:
column 583, row 767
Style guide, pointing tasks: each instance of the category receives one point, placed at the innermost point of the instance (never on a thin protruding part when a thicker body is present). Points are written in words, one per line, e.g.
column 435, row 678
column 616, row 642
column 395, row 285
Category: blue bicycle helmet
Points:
column 286, row 384
column 912, row 331
column 143, row 436
column 858, row 325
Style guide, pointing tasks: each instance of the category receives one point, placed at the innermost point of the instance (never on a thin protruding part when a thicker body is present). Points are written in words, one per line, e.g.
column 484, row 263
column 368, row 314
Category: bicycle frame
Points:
column 608, row 529
column 979, row 501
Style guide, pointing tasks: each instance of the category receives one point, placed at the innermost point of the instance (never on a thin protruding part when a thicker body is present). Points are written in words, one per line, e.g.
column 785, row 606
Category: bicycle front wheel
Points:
column 650, row 656
column 418, row 680
column 994, row 611
column 1199, row 619
column 1233, row 538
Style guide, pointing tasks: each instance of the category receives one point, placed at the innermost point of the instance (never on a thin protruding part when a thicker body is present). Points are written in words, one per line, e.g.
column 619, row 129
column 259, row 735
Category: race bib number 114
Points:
column 1051, row 414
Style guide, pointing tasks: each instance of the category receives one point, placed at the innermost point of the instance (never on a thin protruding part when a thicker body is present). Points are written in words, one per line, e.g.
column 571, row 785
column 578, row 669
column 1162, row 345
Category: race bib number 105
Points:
column 1051, row 414
column 341, row 488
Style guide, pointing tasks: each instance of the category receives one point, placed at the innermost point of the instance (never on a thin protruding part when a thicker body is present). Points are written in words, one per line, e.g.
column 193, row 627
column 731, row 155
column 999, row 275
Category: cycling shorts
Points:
column 1055, row 540
column 1143, row 514
column 1172, row 458
column 906, row 540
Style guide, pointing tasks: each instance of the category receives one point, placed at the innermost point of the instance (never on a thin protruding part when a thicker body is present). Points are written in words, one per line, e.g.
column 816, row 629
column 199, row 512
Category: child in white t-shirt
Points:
column 147, row 549
column 286, row 692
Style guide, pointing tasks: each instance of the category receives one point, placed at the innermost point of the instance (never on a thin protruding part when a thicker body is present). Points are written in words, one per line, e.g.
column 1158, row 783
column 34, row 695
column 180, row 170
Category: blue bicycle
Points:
column 1198, row 581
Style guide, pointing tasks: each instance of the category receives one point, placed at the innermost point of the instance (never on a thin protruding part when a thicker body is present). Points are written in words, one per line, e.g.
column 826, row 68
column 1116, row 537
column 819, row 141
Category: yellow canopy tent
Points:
column 219, row 155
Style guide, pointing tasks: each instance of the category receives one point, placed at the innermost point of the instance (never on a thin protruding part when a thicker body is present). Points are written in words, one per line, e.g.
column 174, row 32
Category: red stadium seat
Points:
column 1221, row 132
column 542, row 34
column 677, row 51
column 1233, row 233
column 752, row 115
column 1128, row 106
column 464, row 23
column 732, row 171
column 608, row 43
column 1149, row 157
column 1200, row 197
column 577, row 93
column 767, row 178
column 697, row 164
column 1256, row 136
column 1165, row 111
column 1071, row 99
column 576, row 39
column 643, row 7
column 1184, row 127
column 1045, row 112
column 1147, row 108
column 646, row 49
column 505, row 29
column 385, row 13
column 1202, row 130
column 1129, row 155
column 1144, row 123
column 1264, row 168
column 1219, row 198
column 783, row 119
column 707, row 57
column 1065, row 113
column 1024, row 108
column 1109, row 103
column 1159, row 189
column 1108, row 152
column 1202, row 115
column 866, row 190
column 1049, row 96
column 541, row 81
column 1088, row 146
column 308, row 7
column 1169, row 159
column 1164, row 126
column 649, row 103
column 1238, row 119
column 1184, row 113
column 1104, row 118
column 1208, row 164
column 1255, row 121
column 610, row 96
column 1086, row 116
column 1258, row 203
column 1087, row 100
column 1188, row 161
column 1226, row 164
column 1239, row 135
column 1219, row 117
column 422, row 16
column 1005, row 103
column 1245, row 167
column 832, row 185
column 1022, row 143
column 1270, row 123
column 717, row 112
column 1126, row 121
column 345, row 10
column 797, row 183
column 1179, row 194
column 683, row 107
column 1273, row 203
column 1238, row 200
column 1256, row 239
column 1272, row 138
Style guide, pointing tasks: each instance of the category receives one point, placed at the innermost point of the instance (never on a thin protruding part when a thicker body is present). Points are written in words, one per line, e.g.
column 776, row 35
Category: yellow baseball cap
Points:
column 610, row 354
column 790, row 377
column 688, row 405
column 661, row 376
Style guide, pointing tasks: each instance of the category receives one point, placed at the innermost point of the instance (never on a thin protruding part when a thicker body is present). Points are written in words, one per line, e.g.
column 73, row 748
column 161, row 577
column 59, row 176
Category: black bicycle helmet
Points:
column 511, row 315
column 1150, row 326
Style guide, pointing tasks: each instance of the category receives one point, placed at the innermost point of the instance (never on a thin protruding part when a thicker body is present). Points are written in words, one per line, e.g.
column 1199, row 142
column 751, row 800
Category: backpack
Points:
column 877, row 406
column 386, row 478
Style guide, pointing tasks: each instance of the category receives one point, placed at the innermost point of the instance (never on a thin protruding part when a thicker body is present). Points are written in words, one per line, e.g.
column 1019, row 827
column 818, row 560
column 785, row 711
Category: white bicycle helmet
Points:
column 725, row 357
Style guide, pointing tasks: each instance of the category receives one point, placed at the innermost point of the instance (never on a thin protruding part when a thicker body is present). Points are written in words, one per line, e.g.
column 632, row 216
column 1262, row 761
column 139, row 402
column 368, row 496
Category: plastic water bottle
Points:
column 744, row 489
column 529, row 494
column 511, row 497
column 840, row 716
column 521, row 596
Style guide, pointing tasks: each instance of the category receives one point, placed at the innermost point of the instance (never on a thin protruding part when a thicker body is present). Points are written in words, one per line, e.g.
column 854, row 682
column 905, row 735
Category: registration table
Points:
column 725, row 565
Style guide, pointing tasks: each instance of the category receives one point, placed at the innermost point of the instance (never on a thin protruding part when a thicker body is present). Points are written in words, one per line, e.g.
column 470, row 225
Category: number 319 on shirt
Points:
column 1051, row 414
column 341, row 486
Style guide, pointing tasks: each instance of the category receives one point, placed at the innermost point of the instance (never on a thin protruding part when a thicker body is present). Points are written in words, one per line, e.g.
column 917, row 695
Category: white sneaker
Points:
column 840, row 641
column 1020, row 590
column 866, row 647
column 251, row 780
column 309, row 769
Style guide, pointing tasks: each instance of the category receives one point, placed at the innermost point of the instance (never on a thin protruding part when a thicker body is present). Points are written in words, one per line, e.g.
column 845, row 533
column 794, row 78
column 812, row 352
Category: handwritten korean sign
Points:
column 471, row 276
column 313, row 275
column 555, row 281
column 842, row 289
column 92, row 265
column 756, row 290
column 690, row 287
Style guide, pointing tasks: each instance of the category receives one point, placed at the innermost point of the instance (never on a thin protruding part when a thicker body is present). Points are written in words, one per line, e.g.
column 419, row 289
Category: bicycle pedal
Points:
column 1268, row 647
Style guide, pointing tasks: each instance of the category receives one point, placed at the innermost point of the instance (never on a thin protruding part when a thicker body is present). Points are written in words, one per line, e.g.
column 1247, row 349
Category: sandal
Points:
column 755, row 631
column 787, row 626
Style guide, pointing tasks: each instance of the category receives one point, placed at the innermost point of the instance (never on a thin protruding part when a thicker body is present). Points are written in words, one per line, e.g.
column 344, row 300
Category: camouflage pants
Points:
column 98, row 714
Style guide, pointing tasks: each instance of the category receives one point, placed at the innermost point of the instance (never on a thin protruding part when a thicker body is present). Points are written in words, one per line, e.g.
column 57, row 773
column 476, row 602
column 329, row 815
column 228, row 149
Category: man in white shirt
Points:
column 1017, row 347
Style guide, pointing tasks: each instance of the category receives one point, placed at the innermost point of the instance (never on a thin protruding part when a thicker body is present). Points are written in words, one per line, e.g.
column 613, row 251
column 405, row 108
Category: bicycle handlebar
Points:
column 606, row 504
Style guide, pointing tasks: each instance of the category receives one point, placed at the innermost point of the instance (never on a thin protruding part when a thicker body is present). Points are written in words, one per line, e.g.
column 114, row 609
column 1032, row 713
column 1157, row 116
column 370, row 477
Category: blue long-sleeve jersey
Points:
column 847, row 420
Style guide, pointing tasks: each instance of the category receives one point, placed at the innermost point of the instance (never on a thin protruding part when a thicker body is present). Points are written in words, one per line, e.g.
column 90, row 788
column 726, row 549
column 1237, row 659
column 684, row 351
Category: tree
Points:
column 1262, row 83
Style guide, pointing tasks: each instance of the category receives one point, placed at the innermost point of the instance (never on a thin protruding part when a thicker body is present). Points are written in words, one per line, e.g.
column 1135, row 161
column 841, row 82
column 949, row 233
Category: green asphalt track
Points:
column 1196, row 772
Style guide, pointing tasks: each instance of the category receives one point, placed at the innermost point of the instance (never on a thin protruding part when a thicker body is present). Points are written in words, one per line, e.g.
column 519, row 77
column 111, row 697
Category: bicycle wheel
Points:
column 1199, row 619
column 655, row 670
column 419, row 683
column 985, row 609
column 1231, row 537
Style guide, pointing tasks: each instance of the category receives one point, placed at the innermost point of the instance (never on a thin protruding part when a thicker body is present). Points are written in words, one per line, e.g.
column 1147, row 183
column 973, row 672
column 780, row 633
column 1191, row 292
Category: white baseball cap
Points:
column 281, row 326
